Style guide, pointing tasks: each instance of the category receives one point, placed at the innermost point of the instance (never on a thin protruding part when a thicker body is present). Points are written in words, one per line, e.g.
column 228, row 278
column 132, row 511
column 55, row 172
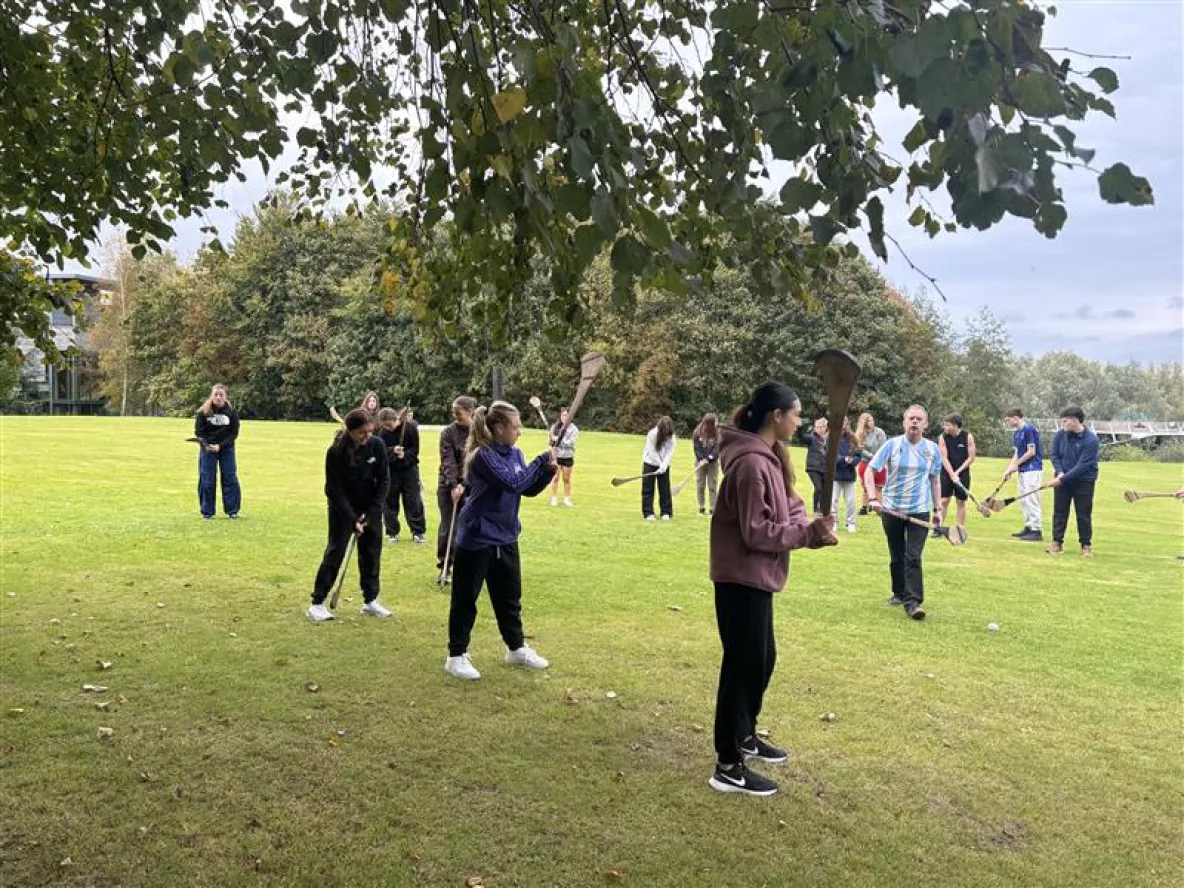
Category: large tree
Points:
column 636, row 127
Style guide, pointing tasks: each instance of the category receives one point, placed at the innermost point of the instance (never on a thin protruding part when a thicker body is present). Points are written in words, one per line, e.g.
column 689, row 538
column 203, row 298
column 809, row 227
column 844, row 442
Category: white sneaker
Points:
column 526, row 657
column 665, row 517
column 851, row 528
column 393, row 539
column 650, row 518
column 318, row 613
column 554, row 500
column 567, row 502
column 462, row 667
column 374, row 609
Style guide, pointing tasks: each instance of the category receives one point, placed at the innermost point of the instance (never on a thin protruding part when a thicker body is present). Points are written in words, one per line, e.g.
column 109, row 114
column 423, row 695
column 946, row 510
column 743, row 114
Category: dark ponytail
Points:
column 751, row 418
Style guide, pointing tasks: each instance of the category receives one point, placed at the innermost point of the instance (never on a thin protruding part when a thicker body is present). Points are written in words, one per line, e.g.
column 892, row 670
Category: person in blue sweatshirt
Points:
column 1075, row 466
column 496, row 478
column 216, row 430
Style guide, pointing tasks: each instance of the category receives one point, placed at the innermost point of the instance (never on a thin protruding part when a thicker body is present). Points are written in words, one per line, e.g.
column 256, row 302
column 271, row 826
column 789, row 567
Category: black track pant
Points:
column 816, row 480
column 405, row 487
column 444, row 501
column 498, row 567
column 369, row 555
column 1081, row 495
column 665, row 500
column 906, row 542
column 745, row 619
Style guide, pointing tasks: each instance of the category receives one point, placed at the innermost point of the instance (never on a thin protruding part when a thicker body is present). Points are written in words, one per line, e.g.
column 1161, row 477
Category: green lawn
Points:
column 1045, row 754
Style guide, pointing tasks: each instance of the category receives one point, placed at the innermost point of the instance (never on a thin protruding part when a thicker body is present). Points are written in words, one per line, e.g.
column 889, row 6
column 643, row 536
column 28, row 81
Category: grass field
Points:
column 1045, row 754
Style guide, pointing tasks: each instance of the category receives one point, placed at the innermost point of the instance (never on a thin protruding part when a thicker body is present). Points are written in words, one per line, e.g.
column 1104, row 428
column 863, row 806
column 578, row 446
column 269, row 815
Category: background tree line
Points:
column 293, row 317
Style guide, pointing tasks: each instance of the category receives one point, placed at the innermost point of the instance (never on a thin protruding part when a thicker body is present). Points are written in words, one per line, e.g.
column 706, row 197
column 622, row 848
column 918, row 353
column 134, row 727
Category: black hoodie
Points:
column 357, row 480
column 220, row 427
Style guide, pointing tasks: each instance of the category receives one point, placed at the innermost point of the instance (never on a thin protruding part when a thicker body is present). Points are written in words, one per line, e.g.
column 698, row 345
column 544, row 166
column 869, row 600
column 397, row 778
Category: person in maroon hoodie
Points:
column 758, row 519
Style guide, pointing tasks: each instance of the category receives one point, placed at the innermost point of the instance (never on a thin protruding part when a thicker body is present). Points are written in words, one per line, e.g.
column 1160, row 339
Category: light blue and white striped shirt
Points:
column 908, row 488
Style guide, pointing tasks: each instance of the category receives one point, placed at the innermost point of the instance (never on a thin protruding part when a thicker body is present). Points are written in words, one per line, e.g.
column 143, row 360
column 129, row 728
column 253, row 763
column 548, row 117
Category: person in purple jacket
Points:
column 758, row 519
column 486, row 547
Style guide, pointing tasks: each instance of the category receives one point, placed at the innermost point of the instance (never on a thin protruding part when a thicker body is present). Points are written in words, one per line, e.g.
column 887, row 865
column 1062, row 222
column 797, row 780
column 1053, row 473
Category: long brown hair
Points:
column 485, row 420
column 665, row 429
column 708, row 428
column 353, row 421
column 207, row 406
column 751, row 417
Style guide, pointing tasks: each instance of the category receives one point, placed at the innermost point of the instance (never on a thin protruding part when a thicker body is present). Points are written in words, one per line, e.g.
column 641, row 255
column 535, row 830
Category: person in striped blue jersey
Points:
column 911, row 490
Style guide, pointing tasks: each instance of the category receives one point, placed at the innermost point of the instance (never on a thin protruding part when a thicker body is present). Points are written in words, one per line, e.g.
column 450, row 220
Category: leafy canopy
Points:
column 565, row 128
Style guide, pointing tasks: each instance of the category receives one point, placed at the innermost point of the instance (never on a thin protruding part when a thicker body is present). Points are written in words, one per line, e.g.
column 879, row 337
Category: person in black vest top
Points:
column 814, row 439
column 957, row 449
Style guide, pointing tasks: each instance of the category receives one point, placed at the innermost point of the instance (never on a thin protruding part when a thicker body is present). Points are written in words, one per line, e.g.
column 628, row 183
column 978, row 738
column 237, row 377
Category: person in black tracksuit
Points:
column 216, row 430
column 450, row 488
column 958, row 452
column 815, row 440
column 356, row 481
column 401, row 438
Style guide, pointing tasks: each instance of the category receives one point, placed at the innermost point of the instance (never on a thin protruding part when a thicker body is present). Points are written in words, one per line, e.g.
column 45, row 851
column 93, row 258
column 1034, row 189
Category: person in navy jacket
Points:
column 486, row 547
column 1075, row 464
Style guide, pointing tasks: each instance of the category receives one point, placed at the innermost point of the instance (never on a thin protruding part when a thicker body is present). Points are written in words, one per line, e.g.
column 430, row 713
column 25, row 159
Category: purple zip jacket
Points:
column 497, row 479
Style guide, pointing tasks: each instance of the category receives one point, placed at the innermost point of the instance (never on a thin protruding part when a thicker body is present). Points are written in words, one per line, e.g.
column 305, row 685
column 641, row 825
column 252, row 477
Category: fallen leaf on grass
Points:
column 255, row 863
column 145, row 777
column 56, row 622
column 411, row 855
column 66, row 862
column 619, row 776
column 104, row 665
column 827, row 717
column 698, row 729
column 178, row 793
column 94, row 689
column 612, row 695
column 782, row 824
column 673, row 607
column 333, row 741
column 106, row 733
column 570, row 698
column 312, row 687
column 103, row 705
column 474, row 882
column 122, row 700
column 615, row 875
column 15, row 712
column 160, row 604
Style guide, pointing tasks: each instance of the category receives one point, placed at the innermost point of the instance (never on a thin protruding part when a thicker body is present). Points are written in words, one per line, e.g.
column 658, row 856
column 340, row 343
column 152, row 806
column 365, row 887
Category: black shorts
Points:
column 949, row 490
column 566, row 461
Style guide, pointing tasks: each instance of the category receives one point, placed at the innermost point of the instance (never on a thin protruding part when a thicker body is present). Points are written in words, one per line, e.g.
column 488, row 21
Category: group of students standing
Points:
column 757, row 519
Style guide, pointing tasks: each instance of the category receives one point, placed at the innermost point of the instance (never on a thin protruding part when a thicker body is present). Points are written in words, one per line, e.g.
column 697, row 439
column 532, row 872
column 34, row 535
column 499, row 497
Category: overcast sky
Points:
column 1111, row 286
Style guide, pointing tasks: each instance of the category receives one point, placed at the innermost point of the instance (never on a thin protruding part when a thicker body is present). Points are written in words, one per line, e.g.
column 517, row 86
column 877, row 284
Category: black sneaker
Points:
column 738, row 778
column 418, row 539
column 1023, row 533
column 863, row 510
column 1033, row 536
column 915, row 612
column 893, row 602
column 755, row 747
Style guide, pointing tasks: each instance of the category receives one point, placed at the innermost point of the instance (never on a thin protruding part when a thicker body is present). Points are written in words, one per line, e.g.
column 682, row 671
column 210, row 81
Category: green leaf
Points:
column 604, row 214
column 581, row 157
column 1105, row 78
column 306, row 137
column 799, row 194
column 917, row 137
column 875, row 232
column 824, row 228
column 1039, row 94
column 1118, row 185
column 657, row 234
column 629, row 256
column 588, row 240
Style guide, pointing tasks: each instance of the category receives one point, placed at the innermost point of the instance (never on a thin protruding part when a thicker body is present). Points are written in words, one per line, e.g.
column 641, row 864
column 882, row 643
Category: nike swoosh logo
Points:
column 733, row 780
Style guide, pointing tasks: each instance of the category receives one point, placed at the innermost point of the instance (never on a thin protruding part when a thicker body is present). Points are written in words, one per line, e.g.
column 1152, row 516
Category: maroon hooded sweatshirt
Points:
column 756, row 522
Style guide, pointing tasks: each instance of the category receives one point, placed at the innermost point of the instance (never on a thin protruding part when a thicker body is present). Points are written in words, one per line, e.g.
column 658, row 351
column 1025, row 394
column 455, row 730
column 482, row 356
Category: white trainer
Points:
column 567, row 502
column 665, row 517
column 851, row 528
column 318, row 613
column 527, row 658
column 650, row 518
column 554, row 500
column 374, row 609
column 462, row 667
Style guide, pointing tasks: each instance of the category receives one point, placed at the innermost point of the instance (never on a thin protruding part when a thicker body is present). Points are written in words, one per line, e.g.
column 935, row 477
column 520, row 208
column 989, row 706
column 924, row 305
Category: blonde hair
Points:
column 207, row 406
column 485, row 420
column 861, row 429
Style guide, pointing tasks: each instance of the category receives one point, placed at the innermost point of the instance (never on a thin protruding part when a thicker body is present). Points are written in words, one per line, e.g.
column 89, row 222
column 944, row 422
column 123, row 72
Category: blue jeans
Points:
column 208, row 464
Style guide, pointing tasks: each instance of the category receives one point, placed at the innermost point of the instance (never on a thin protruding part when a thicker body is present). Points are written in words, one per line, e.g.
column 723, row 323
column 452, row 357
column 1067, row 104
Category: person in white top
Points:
column 565, row 452
column 655, row 466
